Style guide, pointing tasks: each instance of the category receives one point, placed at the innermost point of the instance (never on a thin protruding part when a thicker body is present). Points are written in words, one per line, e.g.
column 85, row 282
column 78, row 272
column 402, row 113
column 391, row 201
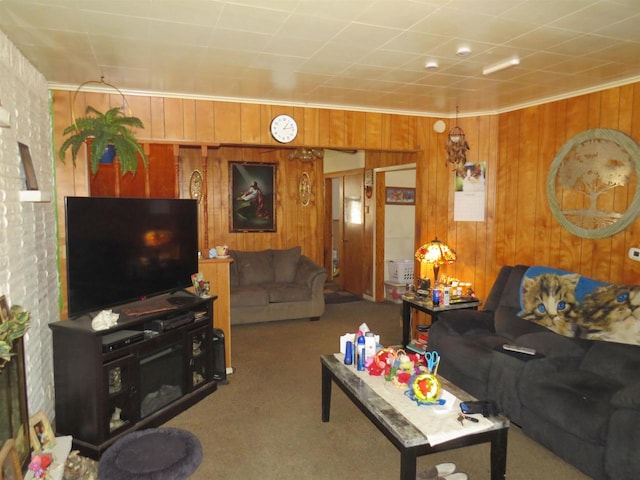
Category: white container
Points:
column 394, row 291
column 401, row 271
column 446, row 296
column 369, row 347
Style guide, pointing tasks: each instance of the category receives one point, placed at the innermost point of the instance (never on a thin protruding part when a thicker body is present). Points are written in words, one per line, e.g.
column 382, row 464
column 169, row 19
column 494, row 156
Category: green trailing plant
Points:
column 11, row 330
column 111, row 128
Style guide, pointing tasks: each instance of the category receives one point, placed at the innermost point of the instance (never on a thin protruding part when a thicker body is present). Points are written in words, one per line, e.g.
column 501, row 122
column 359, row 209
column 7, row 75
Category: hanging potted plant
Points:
column 110, row 135
column 11, row 329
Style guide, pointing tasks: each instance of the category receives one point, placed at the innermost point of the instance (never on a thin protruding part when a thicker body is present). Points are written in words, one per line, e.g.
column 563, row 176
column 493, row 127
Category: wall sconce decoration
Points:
column 435, row 253
column 586, row 173
column 306, row 154
column 304, row 189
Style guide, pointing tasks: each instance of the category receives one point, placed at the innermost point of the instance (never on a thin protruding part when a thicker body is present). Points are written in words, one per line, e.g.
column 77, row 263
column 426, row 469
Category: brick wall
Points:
column 28, row 256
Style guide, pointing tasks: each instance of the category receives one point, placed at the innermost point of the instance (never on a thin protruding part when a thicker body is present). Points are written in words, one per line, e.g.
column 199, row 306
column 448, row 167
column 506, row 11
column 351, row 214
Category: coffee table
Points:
column 408, row 439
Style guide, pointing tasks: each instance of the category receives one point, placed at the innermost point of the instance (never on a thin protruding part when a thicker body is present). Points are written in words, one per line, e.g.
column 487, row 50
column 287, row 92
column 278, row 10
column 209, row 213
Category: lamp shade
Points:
column 435, row 253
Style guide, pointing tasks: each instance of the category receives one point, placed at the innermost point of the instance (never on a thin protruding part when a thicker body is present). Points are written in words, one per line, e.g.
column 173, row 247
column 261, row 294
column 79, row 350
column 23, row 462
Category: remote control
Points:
column 516, row 348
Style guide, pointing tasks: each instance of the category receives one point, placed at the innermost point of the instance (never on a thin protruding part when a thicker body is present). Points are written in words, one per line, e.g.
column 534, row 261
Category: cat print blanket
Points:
column 576, row 306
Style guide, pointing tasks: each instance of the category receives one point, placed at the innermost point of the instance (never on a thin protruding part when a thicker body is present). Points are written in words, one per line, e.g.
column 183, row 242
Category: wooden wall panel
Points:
column 373, row 131
column 173, row 119
column 227, row 120
column 141, row 107
column 251, row 124
column 336, row 128
column 355, row 131
column 157, row 118
column 161, row 174
column 204, row 121
column 518, row 147
column 189, row 119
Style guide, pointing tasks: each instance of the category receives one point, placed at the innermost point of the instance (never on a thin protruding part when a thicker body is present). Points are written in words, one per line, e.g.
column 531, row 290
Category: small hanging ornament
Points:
column 457, row 145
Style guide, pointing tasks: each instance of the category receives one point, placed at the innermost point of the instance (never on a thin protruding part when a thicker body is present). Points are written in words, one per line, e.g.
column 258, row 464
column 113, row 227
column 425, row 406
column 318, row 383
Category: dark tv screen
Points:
column 121, row 250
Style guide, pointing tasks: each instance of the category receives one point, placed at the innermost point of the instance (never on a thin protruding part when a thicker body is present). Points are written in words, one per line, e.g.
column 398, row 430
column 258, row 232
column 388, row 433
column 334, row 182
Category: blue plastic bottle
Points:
column 360, row 352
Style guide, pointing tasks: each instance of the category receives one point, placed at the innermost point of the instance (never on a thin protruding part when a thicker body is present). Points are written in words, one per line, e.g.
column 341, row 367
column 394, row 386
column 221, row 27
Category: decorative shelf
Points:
column 36, row 196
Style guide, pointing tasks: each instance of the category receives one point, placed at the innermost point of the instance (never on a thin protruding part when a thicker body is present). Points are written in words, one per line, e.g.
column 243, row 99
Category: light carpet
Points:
column 266, row 423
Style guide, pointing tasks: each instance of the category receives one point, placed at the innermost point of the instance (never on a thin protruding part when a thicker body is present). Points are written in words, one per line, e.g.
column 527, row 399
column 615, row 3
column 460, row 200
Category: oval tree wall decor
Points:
column 591, row 181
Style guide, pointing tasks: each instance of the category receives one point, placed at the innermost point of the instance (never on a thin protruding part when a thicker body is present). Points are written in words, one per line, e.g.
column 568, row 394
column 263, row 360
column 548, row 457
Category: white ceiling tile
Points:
column 349, row 53
column 393, row 13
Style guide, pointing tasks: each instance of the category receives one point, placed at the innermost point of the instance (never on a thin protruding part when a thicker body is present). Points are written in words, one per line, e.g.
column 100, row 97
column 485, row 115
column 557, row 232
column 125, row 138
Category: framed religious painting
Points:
column 252, row 197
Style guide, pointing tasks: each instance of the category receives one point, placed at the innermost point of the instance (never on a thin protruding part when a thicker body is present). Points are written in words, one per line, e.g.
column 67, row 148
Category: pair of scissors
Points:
column 433, row 359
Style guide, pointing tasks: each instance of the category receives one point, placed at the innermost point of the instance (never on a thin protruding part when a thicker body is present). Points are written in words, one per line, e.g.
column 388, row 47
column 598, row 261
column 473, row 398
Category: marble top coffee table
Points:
column 405, row 436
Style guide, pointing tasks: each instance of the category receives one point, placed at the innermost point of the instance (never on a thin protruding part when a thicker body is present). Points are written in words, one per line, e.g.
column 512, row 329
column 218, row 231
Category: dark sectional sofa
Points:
column 579, row 398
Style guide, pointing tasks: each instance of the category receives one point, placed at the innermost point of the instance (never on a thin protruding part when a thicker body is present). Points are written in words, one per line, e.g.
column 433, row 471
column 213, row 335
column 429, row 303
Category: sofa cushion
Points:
column 460, row 351
column 285, row 264
column 551, row 344
column 509, row 324
column 576, row 401
column 493, row 299
column 249, row 296
column 254, row 268
column 233, row 271
column 506, row 319
column 627, row 397
column 288, row 292
column 615, row 361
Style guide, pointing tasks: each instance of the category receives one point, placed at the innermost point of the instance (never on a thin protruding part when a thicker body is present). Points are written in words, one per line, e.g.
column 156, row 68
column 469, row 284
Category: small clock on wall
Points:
column 304, row 188
column 284, row 128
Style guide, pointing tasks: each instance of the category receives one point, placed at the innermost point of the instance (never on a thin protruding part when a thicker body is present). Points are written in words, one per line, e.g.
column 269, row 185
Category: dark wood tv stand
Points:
column 157, row 362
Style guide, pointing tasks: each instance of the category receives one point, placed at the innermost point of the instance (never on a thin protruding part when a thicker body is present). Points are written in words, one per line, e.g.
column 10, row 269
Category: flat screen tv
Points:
column 121, row 250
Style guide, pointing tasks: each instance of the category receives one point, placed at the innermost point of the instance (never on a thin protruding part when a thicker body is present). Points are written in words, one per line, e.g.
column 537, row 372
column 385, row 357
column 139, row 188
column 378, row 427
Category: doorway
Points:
column 345, row 237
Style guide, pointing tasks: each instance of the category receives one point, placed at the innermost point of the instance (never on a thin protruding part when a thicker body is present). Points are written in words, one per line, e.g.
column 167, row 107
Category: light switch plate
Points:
column 634, row 254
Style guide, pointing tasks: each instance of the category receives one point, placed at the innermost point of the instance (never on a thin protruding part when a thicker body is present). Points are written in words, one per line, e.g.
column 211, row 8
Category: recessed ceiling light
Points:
column 463, row 51
column 431, row 64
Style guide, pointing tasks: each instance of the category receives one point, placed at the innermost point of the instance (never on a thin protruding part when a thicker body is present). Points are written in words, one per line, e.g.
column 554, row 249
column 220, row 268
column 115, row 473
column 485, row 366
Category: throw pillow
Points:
column 285, row 264
column 254, row 268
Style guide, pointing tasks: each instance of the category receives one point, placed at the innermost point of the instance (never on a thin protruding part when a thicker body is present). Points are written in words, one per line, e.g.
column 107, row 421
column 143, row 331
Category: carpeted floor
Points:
column 266, row 423
column 333, row 298
column 333, row 295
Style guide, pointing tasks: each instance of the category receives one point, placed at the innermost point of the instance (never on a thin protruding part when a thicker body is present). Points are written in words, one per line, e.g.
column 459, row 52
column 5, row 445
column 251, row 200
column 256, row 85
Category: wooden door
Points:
column 353, row 233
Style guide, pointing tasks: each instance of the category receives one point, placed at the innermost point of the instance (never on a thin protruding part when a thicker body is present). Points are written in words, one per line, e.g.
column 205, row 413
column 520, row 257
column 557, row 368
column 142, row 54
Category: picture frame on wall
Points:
column 27, row 166
column 40, row 432
column 252, row 197
column 400, row 196
column 10, row 468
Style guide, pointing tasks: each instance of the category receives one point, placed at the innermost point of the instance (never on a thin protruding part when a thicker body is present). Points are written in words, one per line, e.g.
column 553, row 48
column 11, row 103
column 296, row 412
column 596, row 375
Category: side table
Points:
column 409, row 302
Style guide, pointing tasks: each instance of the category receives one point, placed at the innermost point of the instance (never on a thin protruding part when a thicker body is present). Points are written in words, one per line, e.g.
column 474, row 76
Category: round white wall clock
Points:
column 284, row 128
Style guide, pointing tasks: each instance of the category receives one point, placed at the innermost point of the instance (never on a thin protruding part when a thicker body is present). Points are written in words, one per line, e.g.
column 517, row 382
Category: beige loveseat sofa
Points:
column 273, row 285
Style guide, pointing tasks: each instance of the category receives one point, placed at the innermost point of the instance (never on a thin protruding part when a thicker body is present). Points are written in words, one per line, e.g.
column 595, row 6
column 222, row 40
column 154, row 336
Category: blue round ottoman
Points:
column 153, row 454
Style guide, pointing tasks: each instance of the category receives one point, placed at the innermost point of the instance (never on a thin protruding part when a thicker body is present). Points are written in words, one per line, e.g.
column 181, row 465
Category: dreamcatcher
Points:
column 457, row 145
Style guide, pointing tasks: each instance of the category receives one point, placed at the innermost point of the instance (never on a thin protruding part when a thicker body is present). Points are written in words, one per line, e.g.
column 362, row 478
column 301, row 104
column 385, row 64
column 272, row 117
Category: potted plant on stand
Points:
column 111, row 135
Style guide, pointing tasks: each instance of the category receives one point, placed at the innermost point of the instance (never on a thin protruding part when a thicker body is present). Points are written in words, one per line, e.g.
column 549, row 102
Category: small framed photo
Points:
column 27, row 165
column 41, row 433
column 400, row 196
column 4, row 309
column 10, row 462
